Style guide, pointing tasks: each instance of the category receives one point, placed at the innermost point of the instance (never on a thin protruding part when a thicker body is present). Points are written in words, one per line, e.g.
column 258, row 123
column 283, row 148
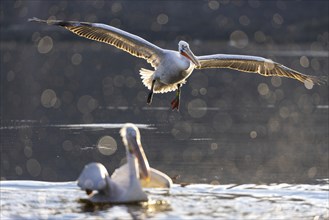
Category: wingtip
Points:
column 35, row 19
column 320, row 80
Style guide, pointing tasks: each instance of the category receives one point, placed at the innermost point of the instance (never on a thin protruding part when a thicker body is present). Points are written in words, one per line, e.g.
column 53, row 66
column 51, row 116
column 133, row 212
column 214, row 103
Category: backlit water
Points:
column 222, row 194
column 47, row 200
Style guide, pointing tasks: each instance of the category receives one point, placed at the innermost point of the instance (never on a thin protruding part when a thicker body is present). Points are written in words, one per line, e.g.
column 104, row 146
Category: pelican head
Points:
column 131, row 139
column 93, row 177
column 184, row 49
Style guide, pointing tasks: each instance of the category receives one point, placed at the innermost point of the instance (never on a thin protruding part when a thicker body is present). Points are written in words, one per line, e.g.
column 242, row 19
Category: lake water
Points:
column 61, row 200
column 188, row 157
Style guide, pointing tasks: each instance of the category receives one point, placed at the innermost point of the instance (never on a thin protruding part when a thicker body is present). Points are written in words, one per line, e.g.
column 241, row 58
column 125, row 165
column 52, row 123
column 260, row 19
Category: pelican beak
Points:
column 144, row 168
column 88, row 191
column 186, row 52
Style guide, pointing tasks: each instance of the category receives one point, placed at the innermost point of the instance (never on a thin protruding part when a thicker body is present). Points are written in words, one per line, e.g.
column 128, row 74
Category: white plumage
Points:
column 127, row 182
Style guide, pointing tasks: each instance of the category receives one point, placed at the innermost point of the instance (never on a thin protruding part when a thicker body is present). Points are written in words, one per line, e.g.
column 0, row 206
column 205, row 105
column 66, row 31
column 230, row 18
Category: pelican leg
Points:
column 175, row 102
column 150, row 96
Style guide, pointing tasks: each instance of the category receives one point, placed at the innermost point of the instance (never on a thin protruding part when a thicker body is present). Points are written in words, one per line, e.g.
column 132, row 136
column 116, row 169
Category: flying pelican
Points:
column 172, row 68
column 125, row 184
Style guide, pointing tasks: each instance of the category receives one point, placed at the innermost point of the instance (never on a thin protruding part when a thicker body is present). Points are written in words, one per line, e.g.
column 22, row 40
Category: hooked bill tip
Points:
column 88, row 191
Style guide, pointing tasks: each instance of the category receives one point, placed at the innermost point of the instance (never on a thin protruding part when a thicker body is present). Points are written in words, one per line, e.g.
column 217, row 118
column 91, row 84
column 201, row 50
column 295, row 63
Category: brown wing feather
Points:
column 122, row 40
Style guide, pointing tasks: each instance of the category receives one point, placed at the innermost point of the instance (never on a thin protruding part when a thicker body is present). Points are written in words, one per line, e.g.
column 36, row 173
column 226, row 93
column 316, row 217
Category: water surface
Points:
column 48, row 200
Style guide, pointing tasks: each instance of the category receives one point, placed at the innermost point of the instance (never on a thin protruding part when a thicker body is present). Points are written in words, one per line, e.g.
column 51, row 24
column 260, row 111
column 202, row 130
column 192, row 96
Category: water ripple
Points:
column 34, row 199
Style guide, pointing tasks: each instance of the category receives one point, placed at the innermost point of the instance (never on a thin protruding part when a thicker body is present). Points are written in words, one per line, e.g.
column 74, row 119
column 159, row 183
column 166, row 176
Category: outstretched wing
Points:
column 254, row 64
column 122, row 40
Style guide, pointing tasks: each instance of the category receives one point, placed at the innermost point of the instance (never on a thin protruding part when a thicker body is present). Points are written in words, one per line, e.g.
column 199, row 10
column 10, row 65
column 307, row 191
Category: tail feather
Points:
column 146, row 76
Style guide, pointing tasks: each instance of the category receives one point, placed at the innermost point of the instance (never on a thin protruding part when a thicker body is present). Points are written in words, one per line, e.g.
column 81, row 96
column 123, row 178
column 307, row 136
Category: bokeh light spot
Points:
column 197, row 108
column 222, row 122
column 308, row 84
column 239, row 39
column 45, row 44
column 67, row 145
column 277, row 19
column 260, row 36
column 213, row 5
column 48, row 98
column 213, row 146
column 76, row 59
column 87, row 104
column 10, row 76
column 162, row 19
column 244, row 20
column 284, row 112
column 304, row 61
column 181, row 130
column 18, row 170
column 203, row 91
column 253, row 134
column 276, row 81
column 28, row 151
column 315, row 64
column 98, row 4
column 33, row 167
column 107, row 145
column 263, row 89
column 116, row 7
column 312, row 172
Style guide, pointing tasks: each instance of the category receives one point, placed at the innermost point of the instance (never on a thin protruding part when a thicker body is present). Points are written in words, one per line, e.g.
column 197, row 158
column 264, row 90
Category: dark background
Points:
column 232, row 126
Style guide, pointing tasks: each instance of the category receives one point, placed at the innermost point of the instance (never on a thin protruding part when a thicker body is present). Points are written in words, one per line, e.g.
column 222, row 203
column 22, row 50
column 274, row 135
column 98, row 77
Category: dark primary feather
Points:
column 255, row 64
column 125, row 41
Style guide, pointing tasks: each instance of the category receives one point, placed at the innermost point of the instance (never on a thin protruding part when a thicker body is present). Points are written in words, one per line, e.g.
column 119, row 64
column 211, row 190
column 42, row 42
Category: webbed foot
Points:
column 175, row 102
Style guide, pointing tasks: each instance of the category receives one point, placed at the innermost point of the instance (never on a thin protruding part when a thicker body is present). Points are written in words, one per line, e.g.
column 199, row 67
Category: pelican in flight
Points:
column 125, row 184
column 172, row 68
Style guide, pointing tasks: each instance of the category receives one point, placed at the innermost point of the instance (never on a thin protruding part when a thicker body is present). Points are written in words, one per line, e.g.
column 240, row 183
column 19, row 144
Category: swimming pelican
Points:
column 125, row 184
column 172, row 68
